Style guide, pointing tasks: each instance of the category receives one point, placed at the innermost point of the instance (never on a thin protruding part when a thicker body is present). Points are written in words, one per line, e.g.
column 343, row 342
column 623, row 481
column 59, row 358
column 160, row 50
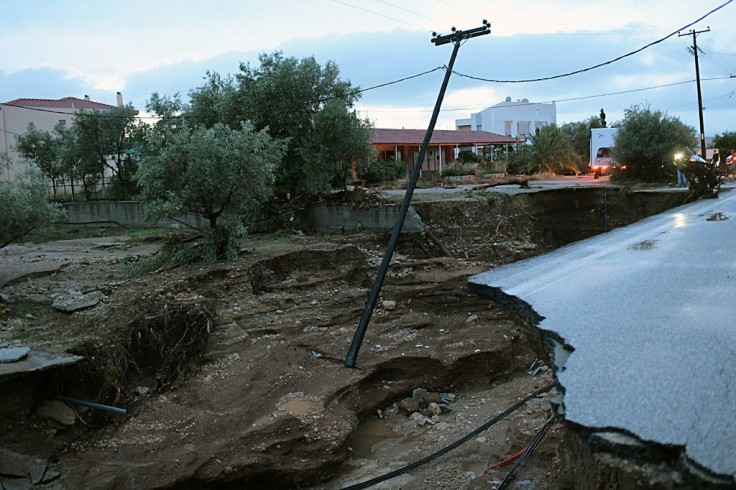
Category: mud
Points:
column 233, row 373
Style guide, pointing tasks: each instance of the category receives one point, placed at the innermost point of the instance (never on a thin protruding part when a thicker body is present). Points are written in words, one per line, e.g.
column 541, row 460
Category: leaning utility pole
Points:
column 456, row 37
column 694, row 47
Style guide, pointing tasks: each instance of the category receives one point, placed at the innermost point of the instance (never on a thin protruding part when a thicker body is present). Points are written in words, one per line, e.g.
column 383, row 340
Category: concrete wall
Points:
column 124, row 213
column 335, row 218
column 342, row 217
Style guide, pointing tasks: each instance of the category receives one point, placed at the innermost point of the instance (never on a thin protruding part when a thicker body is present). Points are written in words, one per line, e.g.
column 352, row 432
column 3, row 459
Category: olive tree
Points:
column 296, row 99
column 26, row 206
column 219, row 173
column 647, row 141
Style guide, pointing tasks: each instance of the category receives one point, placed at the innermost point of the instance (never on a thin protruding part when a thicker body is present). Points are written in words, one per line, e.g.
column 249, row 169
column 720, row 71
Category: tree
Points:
column 341, row 143
column 284, row 95
column 546, row 151
column 577, row 135
column 647, row 141
column 41, row 148
column 25, row 206
column 219, row 173
column 110, row 137
column 725, row 143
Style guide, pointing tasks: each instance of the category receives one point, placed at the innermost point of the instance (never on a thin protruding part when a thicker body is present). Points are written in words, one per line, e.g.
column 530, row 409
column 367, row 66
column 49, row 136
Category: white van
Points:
column 601, row 145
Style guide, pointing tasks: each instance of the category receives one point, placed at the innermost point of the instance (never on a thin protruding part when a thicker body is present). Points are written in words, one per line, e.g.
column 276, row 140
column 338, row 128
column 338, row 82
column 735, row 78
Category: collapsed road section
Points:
column 638, row 324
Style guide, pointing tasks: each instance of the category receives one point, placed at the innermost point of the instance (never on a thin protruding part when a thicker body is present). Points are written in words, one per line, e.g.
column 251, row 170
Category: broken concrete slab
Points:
column 642, row 338
column 13, row 354
column 75, row 302
column 36, row 361
column 23, row 471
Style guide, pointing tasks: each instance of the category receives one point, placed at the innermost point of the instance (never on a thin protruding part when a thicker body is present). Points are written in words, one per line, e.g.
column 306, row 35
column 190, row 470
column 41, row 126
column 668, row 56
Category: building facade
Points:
column 444, row 146
column 517, row 119
column 45, row 114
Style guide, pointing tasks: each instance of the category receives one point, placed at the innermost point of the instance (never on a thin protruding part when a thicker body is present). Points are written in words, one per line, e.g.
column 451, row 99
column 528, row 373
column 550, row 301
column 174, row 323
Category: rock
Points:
column 471, row 318
column 444, row 407
column 141, row 390
column 13, row 354
column 432, row 397
column 447, row 397
column 57, row 411
column 388, row 305
column 410, row 405
column 419, row 419
column 419, row 394
column 434, row 408
column 77, row 301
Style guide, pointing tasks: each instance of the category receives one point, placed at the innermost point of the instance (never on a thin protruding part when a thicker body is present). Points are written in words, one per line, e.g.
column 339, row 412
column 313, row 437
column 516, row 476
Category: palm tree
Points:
column 546, row 151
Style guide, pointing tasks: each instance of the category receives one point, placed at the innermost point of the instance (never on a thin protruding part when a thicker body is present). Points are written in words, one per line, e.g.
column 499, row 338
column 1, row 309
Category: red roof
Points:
column 439, row 137
column 65, row 103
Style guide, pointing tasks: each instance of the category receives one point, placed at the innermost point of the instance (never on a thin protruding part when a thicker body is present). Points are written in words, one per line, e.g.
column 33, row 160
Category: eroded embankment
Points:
column 234, row 374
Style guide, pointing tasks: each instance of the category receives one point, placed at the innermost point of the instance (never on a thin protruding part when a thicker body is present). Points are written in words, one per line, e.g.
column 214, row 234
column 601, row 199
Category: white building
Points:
column 45, row 114
column 518, row 119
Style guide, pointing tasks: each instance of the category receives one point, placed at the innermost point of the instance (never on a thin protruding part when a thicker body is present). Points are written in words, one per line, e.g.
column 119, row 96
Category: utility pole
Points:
column 456, row 37
column 694, row 48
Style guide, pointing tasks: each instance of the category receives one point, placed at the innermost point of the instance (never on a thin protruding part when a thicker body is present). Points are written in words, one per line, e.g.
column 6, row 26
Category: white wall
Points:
column 520, row 113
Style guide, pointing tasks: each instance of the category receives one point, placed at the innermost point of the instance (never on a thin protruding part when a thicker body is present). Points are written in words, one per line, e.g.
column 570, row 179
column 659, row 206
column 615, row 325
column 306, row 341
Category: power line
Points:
column 405, row 9
column 317, row 101
column 381, row 15
column 569, row 99
column 599, row 65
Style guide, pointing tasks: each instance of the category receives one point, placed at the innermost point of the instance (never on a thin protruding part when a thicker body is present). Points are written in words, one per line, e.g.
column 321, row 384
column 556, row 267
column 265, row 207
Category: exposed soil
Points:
column 233, row 373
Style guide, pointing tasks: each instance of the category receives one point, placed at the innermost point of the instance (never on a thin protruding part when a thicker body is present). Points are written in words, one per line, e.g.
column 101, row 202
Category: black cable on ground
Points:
column 529, row 449
column 454, row 445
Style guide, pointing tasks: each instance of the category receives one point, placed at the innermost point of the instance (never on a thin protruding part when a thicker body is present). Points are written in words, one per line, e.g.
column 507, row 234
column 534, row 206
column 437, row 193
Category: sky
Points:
column 74, row 48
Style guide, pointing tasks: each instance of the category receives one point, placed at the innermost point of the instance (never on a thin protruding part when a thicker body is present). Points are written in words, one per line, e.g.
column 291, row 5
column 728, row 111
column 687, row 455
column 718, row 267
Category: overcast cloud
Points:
column 74, row 47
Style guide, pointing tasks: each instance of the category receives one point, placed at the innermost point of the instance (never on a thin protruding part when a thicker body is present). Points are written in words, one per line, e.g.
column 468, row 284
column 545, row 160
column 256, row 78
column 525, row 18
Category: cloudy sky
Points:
column 65, row 48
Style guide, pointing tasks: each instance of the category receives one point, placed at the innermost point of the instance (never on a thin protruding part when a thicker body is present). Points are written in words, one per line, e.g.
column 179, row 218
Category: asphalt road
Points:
column 648, row 311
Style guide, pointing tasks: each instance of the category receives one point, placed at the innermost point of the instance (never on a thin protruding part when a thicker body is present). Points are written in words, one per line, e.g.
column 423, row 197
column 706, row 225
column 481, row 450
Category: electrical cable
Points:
column 458, row 443
column 205, row 116
column 529, row 449
column 381, row 15
column 599, row 65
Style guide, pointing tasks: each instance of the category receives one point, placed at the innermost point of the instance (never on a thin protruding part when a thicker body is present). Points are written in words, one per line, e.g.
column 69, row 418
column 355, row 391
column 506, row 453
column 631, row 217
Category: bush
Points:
column 467, row 156
column 455, row 169
column 376, row 172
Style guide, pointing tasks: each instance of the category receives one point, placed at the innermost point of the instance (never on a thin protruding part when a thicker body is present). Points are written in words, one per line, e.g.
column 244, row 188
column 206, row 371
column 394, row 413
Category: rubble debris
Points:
column 13, row 354
column 76, row 301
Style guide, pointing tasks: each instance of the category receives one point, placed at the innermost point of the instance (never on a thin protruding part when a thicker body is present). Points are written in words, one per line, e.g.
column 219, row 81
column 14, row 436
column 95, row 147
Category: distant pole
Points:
column 456, row 37
column 695, row 33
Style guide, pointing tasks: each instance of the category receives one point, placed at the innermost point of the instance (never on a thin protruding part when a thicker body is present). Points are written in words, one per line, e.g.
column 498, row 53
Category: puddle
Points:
column 369, row 434
column 298, row 406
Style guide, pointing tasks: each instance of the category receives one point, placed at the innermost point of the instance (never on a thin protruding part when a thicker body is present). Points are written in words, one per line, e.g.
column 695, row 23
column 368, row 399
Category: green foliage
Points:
column 467, row 156
column 546, row 151
column 704, row 179
column 109, row 139
column 41, row 148
column 456, row 169
column 647, row 141
column 578, row 134
column 340, row 140
column 375, row 172
column 25, row 205
column 221, row 174
column 296, row 100
column 725, row 143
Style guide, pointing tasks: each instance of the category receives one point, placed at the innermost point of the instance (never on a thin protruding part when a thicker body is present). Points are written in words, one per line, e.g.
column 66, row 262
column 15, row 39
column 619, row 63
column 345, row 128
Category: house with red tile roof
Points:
column 443, row 148
column 45, row 114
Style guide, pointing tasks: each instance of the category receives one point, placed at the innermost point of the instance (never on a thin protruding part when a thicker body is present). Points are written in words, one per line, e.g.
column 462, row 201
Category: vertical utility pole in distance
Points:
column 694, row 47
column 455, row 37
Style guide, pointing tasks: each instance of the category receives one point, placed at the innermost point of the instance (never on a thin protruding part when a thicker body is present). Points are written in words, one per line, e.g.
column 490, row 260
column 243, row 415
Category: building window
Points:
column 507, row 128
column 62, row 122
column 522, row 128
column 479, row 127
